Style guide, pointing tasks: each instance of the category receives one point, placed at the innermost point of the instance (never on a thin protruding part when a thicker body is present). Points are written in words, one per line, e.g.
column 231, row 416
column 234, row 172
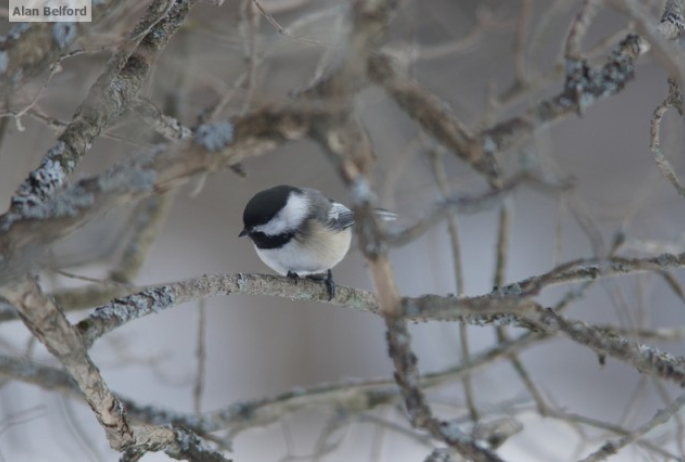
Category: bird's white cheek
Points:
column 289, row 218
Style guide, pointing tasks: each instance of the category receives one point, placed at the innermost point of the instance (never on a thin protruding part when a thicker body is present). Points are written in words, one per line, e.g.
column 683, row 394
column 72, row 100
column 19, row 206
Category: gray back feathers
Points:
column 336, row 215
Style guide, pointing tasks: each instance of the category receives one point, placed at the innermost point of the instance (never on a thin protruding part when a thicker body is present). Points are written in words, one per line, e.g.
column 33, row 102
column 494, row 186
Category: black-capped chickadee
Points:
column 300, row 232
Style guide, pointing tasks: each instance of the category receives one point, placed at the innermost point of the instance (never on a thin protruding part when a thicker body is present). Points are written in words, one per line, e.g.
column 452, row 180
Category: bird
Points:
column 299, row 232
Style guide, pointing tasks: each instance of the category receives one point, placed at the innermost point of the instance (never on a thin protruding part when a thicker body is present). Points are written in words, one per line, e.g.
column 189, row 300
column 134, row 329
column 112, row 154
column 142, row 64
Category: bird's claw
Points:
column 330, row 285
column 328, row 280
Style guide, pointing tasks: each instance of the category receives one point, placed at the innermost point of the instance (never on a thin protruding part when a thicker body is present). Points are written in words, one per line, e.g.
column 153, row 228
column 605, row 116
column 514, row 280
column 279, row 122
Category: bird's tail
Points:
column 385, row 215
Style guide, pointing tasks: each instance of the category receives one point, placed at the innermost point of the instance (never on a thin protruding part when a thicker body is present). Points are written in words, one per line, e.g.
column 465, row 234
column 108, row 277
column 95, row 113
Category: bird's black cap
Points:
column 265, row 205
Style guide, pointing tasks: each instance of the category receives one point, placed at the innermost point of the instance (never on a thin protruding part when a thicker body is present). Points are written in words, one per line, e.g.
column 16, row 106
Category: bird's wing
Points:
column 339, row 217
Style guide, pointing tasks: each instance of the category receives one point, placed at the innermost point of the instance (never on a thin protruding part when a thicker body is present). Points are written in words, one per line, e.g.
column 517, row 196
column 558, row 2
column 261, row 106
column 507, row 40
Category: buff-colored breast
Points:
column 314, row 252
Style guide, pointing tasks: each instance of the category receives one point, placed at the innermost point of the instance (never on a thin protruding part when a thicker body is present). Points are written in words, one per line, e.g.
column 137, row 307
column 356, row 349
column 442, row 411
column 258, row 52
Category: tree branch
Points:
column 116, row 87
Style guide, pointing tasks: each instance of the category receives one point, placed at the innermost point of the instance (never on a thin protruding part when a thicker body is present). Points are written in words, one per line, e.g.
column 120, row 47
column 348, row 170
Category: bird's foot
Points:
column 328, row 280
column 330, row 285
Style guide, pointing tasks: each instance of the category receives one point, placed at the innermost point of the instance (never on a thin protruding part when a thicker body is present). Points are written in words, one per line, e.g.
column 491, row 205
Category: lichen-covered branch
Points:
column 474, row 310
column 431, row 114
column 28, row 49
column 420, row 415
column 159, row 170
column 646, row 359
column 674, row 100
column 672, row 23
column 49, row 325
column 165, row 125
column 108, row 98
column 513, row 298
column 584, row 86
column 593, row 268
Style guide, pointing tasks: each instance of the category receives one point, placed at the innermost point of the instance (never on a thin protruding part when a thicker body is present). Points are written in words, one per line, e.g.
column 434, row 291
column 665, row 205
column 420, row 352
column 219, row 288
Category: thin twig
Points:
column 579, row 28
column 200, row 357
column 661, row 417
column 674, row 100
column 520, row 65
column 438, row 165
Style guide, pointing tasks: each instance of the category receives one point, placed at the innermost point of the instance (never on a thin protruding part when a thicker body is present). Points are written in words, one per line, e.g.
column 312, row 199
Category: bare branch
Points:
column 165, row 125
column 579, row 29
column 438, row 165
column 148, row 218
column 460, row 205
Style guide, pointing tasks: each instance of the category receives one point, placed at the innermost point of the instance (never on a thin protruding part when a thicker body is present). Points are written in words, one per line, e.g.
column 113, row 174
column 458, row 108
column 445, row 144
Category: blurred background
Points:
column 260, row 346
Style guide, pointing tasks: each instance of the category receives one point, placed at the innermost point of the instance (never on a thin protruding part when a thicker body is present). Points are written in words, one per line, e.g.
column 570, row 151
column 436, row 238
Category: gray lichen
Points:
column 67, row 204
column 214, row 137
column 134, row 306
column 136, row 179
column 667, row 260
column 243, row 411
column 118, row 92
column 440, row 455
column 242, row 282
column 451, row 429
column 510, row 290
column 411, row 311
column 16, row 32
column 361, row 191
column 43, row 181
column 489, row 144
column 64, row 33
column 186, row 440
column 502, row 320
column 122, row 310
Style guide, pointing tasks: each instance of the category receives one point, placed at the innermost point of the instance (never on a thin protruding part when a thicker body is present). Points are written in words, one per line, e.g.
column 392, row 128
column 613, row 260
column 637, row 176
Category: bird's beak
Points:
column 244, row 232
